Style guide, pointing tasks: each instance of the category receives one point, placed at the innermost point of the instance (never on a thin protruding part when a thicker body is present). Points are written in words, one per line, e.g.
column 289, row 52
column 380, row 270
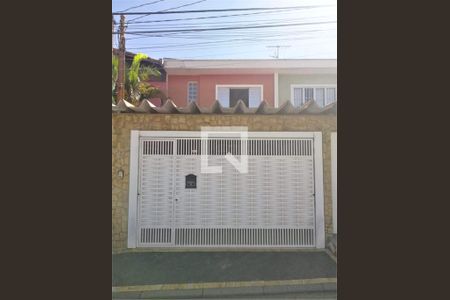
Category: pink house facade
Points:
column 252, row 81
column 211, row 87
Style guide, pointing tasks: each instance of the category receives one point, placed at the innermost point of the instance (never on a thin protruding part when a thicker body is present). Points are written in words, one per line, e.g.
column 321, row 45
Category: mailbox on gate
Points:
column 191, row 181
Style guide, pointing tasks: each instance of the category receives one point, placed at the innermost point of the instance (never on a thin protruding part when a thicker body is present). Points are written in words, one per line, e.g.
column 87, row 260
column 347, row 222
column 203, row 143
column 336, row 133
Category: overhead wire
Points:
column 235, row 22
column 241, row 45
column 228, row 15
column 243, row 34
column 228, row 28
column 189, row 4
column 166, row 10
column 205, row 10
column 255, row 34
column 221, row 42
column 137, row 6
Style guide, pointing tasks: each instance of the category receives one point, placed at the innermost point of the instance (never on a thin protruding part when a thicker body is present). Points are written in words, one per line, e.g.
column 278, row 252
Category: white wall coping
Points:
column 260, row 66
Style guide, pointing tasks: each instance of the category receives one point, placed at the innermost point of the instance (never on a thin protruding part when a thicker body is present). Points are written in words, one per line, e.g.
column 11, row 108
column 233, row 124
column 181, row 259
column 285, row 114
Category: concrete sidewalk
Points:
column 207, row 274
column 325, row 295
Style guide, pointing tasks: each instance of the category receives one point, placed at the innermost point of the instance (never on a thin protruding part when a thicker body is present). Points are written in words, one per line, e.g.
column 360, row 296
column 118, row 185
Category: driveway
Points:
column 149, row 268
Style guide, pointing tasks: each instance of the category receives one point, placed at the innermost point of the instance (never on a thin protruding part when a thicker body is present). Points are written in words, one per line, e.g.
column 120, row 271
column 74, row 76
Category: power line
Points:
column 165, row 10
column 223, row 16
column 189, row 4
column 234, row 22
column 239, row 44
column 250, row 35
column 251, row 39
column 298, row 44
column 228, row 28
column 204, row 10
column 137, row 6
column 247, row 39
column 243, row 34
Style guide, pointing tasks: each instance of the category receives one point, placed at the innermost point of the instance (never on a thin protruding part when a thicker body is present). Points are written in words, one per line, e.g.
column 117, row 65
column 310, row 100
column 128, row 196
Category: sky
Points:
column 305, row 41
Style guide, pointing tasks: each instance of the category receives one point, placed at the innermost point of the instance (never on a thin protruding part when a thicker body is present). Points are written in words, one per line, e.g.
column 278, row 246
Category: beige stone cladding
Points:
column 123, row 123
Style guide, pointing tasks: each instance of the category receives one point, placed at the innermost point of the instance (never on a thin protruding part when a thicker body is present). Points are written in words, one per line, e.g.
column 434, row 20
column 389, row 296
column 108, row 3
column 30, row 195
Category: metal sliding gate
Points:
column 270, row 206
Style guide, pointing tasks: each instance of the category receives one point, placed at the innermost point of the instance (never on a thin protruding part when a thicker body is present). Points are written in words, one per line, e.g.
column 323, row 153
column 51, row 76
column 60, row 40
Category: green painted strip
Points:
column 212, row 285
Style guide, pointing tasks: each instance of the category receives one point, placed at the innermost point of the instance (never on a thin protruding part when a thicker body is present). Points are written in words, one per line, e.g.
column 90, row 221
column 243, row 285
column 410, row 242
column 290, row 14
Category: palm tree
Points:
column 136, row 87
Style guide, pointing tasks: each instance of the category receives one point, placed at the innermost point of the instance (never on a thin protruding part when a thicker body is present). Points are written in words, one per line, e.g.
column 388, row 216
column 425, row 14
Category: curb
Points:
column 331, row 255
column 232, row 288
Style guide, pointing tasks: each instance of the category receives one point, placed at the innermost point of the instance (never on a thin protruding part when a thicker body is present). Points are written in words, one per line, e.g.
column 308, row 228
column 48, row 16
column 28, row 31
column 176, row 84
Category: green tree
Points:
column 136, row 75
column 136, row 89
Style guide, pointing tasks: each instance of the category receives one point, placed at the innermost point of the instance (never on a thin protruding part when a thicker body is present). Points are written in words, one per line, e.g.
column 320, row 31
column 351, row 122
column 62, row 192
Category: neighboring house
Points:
column 272, row 80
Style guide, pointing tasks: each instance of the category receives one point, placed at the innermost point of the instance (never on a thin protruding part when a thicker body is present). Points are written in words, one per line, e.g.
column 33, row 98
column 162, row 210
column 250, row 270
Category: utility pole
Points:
column 277, row 52
column 112, row 35
column 121, row 71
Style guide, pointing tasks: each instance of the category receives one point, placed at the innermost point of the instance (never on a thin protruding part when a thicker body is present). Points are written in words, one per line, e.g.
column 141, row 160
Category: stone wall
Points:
column 123, row 123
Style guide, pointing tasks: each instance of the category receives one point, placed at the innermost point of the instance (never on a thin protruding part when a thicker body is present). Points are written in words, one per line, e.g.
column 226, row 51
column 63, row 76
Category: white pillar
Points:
column 334, row 178
column 133, row 189
column 275, row 87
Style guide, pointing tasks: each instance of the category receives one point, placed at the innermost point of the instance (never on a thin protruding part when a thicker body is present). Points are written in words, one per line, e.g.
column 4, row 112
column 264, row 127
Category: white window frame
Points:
column 314, row 87
column 240, row 86
column 187, row 88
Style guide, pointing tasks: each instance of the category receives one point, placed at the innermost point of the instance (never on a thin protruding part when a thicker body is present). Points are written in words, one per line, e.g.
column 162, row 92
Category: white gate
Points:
column 273, row 205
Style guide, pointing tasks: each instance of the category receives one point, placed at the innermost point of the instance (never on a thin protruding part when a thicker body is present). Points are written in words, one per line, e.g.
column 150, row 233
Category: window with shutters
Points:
column 192, row 91
column 322, row 94
column 229, row 95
